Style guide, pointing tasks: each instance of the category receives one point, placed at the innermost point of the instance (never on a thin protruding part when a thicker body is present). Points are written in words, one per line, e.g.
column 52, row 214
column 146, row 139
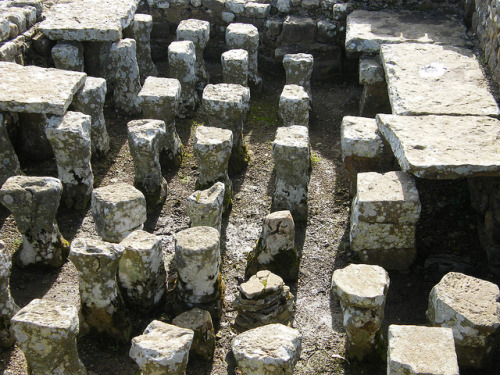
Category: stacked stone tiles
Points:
column 7, row 305
column 205, row 207
column 383, row 219
column 235, row 67
column 182, row 62
column 294, row 106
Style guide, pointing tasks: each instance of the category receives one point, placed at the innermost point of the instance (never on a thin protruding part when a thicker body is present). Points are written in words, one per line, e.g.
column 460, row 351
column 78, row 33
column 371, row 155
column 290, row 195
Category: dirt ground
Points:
column 447, row 227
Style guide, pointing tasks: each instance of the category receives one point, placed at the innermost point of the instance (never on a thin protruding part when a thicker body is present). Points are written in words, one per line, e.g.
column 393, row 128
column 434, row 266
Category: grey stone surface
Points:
column 433, row 79
column 298, row 69
column 443, row 147
column 200, row 322
column 182, row 61
column 9, row 163
column 4, row 29
column 371, row 71
column 235, row 66
column 256, row 10
column 205, row 207
column 294, row 106
column 246, row 36
column 8, row 306
column 68, row 56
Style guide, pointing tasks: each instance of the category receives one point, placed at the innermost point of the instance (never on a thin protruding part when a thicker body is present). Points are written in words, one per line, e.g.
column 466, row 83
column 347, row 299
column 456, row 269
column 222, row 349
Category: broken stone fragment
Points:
column 294, row 106
column 205, row 207
column 182, row 62
column 235, row 67
column 298, row 69
column 68, row 56
column 8, row 306
column 200, row 322
column 246, row 36
column 9, row 163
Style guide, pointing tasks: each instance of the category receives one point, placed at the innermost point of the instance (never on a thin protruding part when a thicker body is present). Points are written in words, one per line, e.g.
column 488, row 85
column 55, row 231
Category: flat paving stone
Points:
column 444, row 147
column 48, row 91
column 427, row 79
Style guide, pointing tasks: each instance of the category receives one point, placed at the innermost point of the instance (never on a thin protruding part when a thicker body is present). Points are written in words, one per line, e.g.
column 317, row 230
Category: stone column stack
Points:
column 294, row 106
column 362, row 290
column 8, row 306
column 10, row 163
column 182, row 61
column 235, row 67
column 298, row 69
column 33, row 201
column 205, row 207
column 68, row 56
column 246, row 36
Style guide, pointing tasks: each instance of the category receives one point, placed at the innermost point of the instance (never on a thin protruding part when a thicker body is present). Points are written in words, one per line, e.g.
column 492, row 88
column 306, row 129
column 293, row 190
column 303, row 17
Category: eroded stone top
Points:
column 32, row 184
column 262, row 284
column 155, row 87
column 140, row 240
column 235, row 54
column 395, row 186
column 164, row 339
column 116, row 193
column 295, row 136
column 242, row 29
column 208, row 135
column 226, row 92
column 145, row 130
column 302, row 58
column 193, row 319
column 94, row 248
column 183, row 47
column 48, row 314
column 294, row 92
column 208, row 196
column 360, row 137
column 198, row 31
column 73, row 122
column 197, row 239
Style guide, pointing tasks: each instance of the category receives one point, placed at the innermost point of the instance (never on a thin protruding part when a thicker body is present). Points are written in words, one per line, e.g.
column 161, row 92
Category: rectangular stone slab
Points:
column 37, row 90
column 444, row 147
column 431, row 79
column 367, row 31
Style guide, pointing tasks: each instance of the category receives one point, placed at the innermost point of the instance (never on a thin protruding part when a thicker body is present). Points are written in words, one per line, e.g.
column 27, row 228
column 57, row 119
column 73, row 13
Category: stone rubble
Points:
column 235, row 67
column 200, row 322
column 205, row 207
column 8, row 307
column 68, row 56
column 298, row 69
column 9, row 163
column 182, row 62
column 294, row 106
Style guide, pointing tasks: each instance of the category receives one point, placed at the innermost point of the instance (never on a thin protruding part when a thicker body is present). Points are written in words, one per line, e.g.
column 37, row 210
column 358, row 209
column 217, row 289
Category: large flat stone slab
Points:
column 37, row 90
column 444, row 147
column 431, row 79
column 367, row 31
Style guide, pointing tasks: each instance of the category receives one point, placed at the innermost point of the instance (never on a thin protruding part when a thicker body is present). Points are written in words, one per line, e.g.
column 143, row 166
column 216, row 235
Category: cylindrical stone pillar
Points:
column 7, row 305
column 246, row 36
column 235, row 67
column 205, row 207
column 182, row 61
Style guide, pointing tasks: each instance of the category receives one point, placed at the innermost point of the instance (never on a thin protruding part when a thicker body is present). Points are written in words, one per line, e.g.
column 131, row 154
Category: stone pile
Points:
column 235, row 67
column 200, row 321
column 182, row 62
column 7, row 305
column 263, row 299
column 205, row 207
column 294, row 106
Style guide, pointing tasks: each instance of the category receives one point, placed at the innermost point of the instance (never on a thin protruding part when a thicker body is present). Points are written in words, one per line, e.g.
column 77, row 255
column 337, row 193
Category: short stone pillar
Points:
column 416, row 350
column 70, row 140
column 198, row 32
column 275, row 251
column 160, row 99
column 10, row 163
column 205, row 207
column 118, row 209
column 33, row 201
column 278, row 346
column 140, row 30
column 246, row 36
column 375, row 98
column 90, row 101
column 46, row 332
column 298, row 69
column 145, row 139
column 141, row 271
column 7, row 305
column 362, row 290
column 294, row 106
column 212, row 149
column 162, row 349
column 292, row 163
column 126, row 73
column 197, row 256
column 470, row 307
column 102, row 308
column 235, row 67
column 200, row 322
column 68, row 56
column 383, row 219
column 182, row 61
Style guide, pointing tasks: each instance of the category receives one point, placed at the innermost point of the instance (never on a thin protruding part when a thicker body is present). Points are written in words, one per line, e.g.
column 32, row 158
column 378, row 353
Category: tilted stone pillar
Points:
column 298, row 69
column 294, row 106
column 182, row 61
column 33, row 201
column 7, row 305
column 103, row 309
column 205, row 207
column 235, row 67
column 246, row 36
column 68, row 56
column 10, row 163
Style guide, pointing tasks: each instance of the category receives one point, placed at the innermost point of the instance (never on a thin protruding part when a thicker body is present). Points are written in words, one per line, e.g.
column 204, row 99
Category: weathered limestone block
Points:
column 235, row 67
column 375, row 97
column 68, row 56
column 235, row 6
column 34, row 144
column 363, row 149
column 33, row 201
column 127, row 77
column 291, row 153
column 162, row 349
column 256, row 10
column 46, row 332
column 294, row 106
column 141, row 271
column 362, row 290
column 416, row 350
column 37, row 4
column 90, row 100
column 246, row 36
column 4, row 29
column 17, row 17
column 9, row 163
column 470, row 307
column 298, row 69
column 145, row 139
column 205, row 207
column 271, row 349
column 118, row 209
column 8, row 307
column 198, row 32
column 70, row 140
column 371, row 71
column 182, row 62
column 275, row 250
column 102, row 308
column 200, row 321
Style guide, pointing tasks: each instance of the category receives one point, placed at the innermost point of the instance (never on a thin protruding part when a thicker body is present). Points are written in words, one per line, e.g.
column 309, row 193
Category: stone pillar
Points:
column 375, row 98
column 298, row 69
column 235, row 67
column 275, row 251
column 126, row 73
column 90, row 101
column 118, row 209
column 362, row 290
column 70, row 140
column 162, row 349
column 141, row 271
column 102, row 308
column 145, row 139
column 200, row 322
column 7, row 305
column 182, row 61
column 292, row 163
column 294, row 106
column 205, row 207
column 212, row 149
column 10, row 163
column 246, row 36
column 33, row 201
column 46, row 332
column 198, row 32
column 68, row 56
